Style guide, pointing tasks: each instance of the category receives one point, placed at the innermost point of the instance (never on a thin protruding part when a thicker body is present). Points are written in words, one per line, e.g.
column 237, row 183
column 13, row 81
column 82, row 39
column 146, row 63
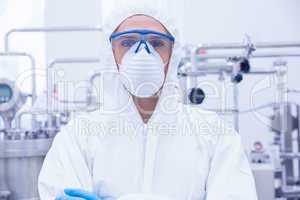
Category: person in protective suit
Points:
column 144, row 140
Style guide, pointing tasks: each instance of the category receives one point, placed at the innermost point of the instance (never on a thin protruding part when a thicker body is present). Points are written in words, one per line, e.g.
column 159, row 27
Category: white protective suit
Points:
column 181, row 153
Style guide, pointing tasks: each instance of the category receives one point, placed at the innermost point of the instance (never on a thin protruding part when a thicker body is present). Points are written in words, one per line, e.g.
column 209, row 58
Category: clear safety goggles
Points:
column 162, row 43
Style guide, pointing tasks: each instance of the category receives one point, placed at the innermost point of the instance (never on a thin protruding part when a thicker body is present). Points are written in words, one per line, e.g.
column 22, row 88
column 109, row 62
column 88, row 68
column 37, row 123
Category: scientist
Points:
column 144, row 143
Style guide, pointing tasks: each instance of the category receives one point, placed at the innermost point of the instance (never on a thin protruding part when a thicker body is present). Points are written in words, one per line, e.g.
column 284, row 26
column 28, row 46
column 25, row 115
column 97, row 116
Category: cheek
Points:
column 166, row 69
column 118, row 58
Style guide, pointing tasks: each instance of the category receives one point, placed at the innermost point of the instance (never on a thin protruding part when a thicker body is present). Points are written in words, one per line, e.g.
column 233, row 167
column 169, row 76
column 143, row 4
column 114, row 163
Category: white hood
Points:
column 115, row 96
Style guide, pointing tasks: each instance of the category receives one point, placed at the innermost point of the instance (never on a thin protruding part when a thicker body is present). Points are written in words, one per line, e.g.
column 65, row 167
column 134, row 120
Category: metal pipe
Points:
column 49, row 80
column 290, row 192
column 202, row 68
column 261, row 72
column 274, row 55
column 92, row 78
column 254, row 55
column 48, row 30
column 214, row 67
column 236, row 106
column 197, row 73
column 293, row 91
column 205, row 71
column 289, row 155
column 72, row 61
column 285, row 136
column 18, row 118
column 223, row 111
column 297, row 124
column 91, row 84
column 215, row 46
column 258, row 45
column 274, row 104
column 206, row 68
column 230, row 111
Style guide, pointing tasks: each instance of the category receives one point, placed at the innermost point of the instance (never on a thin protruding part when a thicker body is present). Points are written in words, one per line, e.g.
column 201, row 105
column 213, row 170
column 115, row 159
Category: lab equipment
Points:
column 5, row 93
column 285, row 122
column 285, row 156
column 196, row 95
column 265, row 180
column 91, row 102
column 142, row 71
column 276, row 177
column 197, row 62
column 11, row 100
column 32, row 65
column 22, row 150
column 18, row 151
column 259, row 155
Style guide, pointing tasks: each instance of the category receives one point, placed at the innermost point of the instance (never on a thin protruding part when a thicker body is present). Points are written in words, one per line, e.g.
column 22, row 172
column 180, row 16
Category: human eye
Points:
column 128, row 41
column 157, row 43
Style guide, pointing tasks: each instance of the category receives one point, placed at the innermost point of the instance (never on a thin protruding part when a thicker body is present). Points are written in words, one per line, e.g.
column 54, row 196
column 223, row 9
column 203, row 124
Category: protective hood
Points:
column 115, row 96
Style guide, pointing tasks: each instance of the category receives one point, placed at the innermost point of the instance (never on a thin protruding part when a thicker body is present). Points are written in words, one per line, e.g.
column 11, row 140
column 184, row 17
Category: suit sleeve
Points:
column 65, row 165
column 230, row 176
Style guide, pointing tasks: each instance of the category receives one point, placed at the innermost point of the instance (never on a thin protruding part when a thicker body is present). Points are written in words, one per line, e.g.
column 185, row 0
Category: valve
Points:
column 245, row 65
column 196, row 96
column 237, row 78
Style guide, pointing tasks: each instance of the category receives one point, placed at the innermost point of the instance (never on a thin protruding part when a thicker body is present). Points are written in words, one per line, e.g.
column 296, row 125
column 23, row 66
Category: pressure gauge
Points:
column 11, row 100
column 10, row 96
column 6, row 93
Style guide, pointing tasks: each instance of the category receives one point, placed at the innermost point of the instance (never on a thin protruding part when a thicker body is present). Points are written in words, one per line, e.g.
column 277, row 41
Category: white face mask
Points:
column 142, row 73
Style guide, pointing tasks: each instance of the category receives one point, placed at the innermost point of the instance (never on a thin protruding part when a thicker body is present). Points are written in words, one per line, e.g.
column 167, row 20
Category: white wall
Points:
column 68, row 45
column 16, row 14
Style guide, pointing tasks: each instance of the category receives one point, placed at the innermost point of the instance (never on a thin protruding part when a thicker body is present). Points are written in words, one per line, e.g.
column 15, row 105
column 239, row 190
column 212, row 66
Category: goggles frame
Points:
column 143, row 32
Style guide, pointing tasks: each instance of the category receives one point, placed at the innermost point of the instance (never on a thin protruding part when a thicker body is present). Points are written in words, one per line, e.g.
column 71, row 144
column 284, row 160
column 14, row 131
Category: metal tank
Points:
column 20, row 163
column 21, row 151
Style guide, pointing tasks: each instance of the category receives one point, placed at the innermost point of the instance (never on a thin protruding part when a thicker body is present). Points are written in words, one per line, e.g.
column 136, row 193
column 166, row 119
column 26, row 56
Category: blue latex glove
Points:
column 77, row 194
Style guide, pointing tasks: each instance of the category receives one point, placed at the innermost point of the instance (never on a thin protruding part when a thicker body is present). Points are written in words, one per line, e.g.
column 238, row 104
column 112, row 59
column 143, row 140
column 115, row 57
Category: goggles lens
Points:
column 162, row 43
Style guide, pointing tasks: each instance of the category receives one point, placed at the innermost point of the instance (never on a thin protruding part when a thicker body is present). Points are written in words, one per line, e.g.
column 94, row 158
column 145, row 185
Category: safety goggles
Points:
column 160, row 42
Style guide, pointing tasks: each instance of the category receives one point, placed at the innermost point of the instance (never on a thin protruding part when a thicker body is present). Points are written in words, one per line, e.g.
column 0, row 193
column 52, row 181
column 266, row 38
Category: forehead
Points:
column 141, row 22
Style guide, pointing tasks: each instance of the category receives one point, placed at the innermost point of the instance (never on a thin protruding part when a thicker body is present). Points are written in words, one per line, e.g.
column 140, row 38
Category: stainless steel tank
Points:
column 20, row 163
